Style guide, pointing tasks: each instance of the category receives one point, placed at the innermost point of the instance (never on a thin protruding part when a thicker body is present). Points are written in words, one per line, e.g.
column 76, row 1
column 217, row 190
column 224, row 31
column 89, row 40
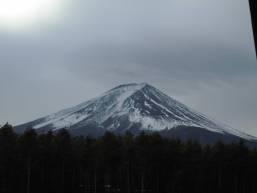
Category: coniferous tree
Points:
column 29, row 146
column 7, row 158
column 46, row 158
column 63, row 154
column 128, row 160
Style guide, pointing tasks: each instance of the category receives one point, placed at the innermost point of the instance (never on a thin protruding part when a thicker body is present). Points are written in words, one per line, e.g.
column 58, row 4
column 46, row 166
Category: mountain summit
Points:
column 136, row 107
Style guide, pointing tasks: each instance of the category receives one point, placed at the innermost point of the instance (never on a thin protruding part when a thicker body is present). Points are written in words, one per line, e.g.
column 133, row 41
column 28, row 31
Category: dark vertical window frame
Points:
column 253, row 8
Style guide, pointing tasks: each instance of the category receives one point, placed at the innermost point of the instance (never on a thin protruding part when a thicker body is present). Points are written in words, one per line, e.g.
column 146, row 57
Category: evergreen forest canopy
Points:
column 146, row 163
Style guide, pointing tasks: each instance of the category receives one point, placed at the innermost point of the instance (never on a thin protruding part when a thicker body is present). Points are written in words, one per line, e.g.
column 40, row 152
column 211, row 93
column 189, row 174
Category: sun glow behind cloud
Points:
column 21, row 14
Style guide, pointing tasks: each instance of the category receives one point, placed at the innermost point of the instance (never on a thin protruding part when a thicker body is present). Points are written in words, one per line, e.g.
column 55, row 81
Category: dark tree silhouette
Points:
column 28, row 145
column 8, row 141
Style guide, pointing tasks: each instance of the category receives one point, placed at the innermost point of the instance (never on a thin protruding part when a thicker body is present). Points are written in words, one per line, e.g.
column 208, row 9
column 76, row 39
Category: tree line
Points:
column 56, row 162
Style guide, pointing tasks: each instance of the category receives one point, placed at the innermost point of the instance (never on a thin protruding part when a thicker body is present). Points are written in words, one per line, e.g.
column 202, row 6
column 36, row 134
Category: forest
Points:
column 56, row 162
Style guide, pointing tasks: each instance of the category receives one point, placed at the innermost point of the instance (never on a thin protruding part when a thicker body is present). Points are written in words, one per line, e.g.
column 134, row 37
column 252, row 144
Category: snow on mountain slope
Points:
column 133, row 104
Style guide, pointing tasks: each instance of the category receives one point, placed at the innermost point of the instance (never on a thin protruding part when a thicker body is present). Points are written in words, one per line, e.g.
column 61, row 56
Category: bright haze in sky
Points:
column 59, row 53
column 18, row 14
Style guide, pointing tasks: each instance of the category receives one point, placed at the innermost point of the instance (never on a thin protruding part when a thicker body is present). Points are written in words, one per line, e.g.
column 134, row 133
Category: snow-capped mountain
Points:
column 135, row 107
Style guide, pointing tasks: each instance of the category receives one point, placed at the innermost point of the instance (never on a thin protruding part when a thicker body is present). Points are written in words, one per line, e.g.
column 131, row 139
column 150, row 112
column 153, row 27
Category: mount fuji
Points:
column 136, row 108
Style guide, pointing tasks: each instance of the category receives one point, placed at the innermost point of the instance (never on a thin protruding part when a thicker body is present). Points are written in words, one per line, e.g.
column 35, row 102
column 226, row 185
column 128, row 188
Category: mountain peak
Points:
column 129, row 107
column 131, row 85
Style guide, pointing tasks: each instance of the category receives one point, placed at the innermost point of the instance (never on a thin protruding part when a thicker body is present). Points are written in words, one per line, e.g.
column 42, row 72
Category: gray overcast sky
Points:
column 200, row 52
